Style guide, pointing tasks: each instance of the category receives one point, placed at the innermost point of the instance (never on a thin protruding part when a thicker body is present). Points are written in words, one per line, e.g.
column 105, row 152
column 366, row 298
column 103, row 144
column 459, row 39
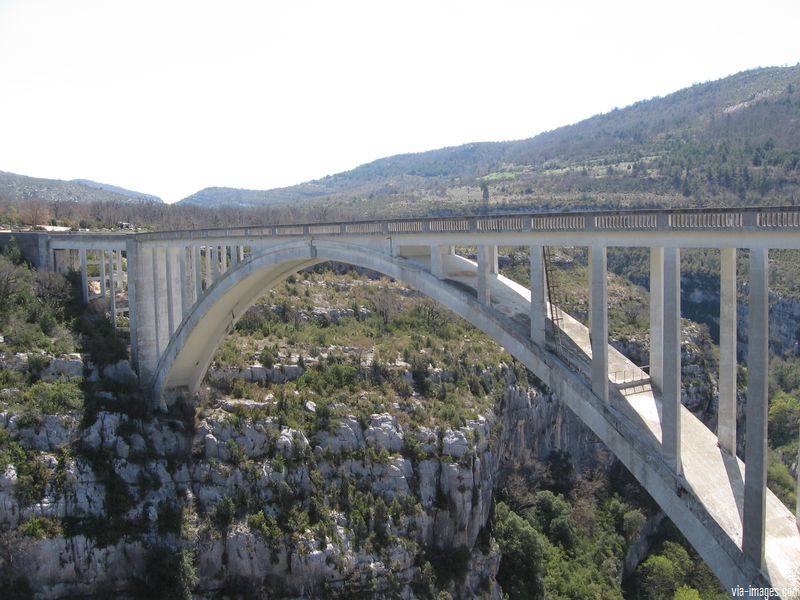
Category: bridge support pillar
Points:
column 755, row 470
column 538, row 306
column 112, row 289
column 84, row 276
column 657, row 317
column 197, row 253
column 143, row 308
column 726, row 428
column 212, row 266
column 119, row 269
column 161, row 299
column 130, row 259
column 671, row 388
column 102, row 273
column 487, row 266
column 598, row 317
column 174, row 286
column 438, row 254
column 187, row 287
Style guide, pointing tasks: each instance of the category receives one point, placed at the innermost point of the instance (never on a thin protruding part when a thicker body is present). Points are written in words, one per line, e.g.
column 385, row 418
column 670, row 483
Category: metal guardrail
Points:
column 646, row 220
column 787, row 217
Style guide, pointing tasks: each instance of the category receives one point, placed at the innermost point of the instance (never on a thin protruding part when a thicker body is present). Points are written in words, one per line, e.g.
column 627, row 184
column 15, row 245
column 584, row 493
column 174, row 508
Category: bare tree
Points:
column 52, row 288
column 386, row 304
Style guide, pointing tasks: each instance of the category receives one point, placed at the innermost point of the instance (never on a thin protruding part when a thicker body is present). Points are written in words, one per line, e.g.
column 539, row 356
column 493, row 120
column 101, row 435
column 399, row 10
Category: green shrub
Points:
column 224, row 512
column 53, row 397
column 267, row 526
column 523, row 550
column 40, row 528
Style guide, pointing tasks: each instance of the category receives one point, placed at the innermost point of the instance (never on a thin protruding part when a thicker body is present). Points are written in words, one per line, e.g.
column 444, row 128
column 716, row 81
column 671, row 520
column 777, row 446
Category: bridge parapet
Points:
column 646, row 220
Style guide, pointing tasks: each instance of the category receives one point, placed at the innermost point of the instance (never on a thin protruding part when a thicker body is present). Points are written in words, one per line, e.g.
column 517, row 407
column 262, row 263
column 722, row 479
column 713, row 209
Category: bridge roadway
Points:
column 186, row 289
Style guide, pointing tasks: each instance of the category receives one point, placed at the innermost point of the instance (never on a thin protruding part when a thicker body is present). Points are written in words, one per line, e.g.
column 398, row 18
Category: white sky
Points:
column 169, row 96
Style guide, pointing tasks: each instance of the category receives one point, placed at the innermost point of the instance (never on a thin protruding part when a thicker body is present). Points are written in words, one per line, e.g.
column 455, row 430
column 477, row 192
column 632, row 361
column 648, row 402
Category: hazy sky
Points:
column 170, row 96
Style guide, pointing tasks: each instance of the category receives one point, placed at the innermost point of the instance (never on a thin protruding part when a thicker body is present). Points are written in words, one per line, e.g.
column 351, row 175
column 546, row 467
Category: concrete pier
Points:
column 538, row 303
column 598, row 320
column 755, row 475
column 726, row 427
column 671, row 344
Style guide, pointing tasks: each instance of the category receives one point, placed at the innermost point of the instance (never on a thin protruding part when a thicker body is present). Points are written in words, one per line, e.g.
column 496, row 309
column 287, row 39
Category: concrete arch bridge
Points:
column 186, row 289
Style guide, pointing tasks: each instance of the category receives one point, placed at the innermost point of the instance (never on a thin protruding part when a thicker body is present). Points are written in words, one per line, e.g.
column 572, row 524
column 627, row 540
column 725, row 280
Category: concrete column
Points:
column 44, row 258
column 198, row 271
column 755, row 470
column 671, row 388
column 74, row 260
column 159, row 288
column 174, row 285
column 487, row 265
column 239, row 253
column 130, row 253
column 212, row 263
column 145, row 308
column 84, row 276
column 437, row 268
column 187, row 286
column 112, row 290
column 538, row 304
column 598, row 311
column 119, row 269
column 102, row 273
column 726, row 428
column 657, row 317
column 235, row 255
column 223, row 259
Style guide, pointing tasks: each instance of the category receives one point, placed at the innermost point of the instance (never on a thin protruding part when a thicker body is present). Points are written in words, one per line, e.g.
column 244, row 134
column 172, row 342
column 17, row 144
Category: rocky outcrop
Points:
column 131, row 474
column 535, row 424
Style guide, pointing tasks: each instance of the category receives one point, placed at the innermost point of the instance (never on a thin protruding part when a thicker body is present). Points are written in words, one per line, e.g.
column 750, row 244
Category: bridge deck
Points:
column 710, row 473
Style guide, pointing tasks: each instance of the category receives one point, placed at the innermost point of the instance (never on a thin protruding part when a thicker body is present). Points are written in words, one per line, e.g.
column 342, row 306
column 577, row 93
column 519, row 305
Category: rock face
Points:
column 363, row 507
column 535, row 424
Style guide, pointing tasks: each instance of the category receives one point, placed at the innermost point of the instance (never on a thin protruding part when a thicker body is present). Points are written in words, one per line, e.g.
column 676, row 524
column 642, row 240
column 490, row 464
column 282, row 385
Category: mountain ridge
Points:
column 16, row 187
column 667, row 142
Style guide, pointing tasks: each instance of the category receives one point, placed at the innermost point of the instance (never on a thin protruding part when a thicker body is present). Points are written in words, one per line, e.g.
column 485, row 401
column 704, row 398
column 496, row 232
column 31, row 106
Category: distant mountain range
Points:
column 726, row 142
column 118, row 190
column 20, row 188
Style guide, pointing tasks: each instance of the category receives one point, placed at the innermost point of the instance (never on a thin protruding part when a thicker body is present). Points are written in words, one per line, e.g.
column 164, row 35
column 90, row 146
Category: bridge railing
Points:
column 646, row 220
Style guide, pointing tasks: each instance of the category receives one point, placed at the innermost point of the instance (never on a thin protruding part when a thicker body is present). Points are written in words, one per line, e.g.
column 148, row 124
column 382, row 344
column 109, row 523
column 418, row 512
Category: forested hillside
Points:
column 23, row 189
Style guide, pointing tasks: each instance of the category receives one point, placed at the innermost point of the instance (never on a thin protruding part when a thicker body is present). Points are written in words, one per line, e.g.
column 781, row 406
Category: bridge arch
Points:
column 191, row 348
column 183, row 364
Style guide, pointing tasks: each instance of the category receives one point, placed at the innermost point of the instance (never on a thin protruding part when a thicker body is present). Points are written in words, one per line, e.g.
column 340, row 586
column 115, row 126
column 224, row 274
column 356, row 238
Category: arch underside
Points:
column 191, row 349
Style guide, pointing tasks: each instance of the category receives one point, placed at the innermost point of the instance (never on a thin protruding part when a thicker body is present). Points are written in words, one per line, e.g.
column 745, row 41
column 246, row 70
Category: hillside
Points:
column 133, row 195
column 20, row 188
column 726, row 142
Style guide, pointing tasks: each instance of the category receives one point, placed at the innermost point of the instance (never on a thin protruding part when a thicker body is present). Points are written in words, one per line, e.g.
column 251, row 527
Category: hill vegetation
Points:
column 29, row 194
